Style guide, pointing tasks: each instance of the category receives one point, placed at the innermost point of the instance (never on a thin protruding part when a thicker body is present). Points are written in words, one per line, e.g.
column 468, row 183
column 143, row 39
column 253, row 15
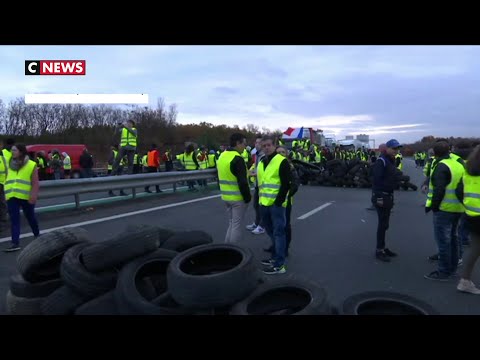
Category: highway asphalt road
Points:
column 333, row 246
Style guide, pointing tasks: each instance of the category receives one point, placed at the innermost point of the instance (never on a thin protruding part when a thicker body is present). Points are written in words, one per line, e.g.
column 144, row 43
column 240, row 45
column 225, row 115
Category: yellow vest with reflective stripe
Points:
column 211, row 161
column 471, row 194
column 202, row 164
column 318, row 156
column 19, row 183
column 67, row 163
column 187, row 161
column 145, row 160
column 269, row 181
column 450, row 202
column 228, row 182
column 3, row 169
column 128, row 138
column 109, row 167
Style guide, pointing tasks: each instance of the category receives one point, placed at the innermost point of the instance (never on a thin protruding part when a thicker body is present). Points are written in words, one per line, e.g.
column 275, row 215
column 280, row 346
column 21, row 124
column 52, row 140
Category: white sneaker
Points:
column 251, row 227
column 468, row 286
column 258, row 230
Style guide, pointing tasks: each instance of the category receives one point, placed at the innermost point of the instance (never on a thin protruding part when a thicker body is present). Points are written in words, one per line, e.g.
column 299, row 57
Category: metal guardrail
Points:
column 75, row 187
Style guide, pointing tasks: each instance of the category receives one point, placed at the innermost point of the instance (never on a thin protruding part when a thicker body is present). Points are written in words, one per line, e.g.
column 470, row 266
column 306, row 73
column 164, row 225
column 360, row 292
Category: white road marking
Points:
column 310, row 213
column 114, row 217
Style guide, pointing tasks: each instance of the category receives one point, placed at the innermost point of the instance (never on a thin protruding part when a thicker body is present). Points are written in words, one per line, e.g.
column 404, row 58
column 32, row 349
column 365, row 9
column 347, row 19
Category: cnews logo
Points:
column 55, row 67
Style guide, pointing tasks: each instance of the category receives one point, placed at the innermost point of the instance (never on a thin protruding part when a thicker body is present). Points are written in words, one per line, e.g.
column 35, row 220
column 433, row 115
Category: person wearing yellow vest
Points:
column 212, row 160
column 42, row 165
column 21, row 191
column 202, row 158
column 274, row 178
column 234, row 189
column 447, row 209
column 469, row 193
column 189, row 161
column 294, row 185
column 128, row 145
column 5, row 156
column 67, row 165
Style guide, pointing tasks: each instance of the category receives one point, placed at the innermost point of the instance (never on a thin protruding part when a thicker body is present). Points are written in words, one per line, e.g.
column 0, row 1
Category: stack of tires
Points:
column 147, row 270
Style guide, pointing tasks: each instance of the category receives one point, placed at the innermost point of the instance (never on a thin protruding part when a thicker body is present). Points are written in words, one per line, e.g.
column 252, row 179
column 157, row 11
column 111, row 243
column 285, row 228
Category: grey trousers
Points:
column 236, row 214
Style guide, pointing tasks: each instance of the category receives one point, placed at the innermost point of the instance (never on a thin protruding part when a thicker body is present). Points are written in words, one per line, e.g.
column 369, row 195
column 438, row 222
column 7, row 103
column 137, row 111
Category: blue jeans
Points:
column 14, row 206
column 445, row 231
column 274, row 222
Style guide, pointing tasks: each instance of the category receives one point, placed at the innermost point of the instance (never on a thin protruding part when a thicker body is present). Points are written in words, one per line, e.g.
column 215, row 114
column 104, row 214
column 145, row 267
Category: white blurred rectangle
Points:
column 86, row 98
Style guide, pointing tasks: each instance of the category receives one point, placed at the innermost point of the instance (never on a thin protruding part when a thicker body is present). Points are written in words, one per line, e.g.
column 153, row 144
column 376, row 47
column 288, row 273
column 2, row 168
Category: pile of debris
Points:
column 344, row 173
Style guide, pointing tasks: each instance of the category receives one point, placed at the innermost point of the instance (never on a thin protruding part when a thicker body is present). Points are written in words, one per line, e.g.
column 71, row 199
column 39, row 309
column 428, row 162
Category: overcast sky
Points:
column 404, row 92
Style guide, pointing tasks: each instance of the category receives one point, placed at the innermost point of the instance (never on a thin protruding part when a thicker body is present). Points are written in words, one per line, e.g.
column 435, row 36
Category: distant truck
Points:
column 291, row 134
column 73, row 150
column 352, row 144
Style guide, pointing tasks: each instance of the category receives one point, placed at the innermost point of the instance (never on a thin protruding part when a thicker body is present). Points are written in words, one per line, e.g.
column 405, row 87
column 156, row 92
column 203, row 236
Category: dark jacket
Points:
column 239, row 169
column 285, row 178
column 441, row 177
column 294, row 184
column 384, row 175
column 86, row 161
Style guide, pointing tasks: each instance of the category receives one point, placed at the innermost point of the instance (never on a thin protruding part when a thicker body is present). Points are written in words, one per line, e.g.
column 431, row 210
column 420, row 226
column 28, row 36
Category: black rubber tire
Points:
column 132, row 300
column 354, row 169
column 16, row 305
column 385, row 303
column 63, row 301
column 40, row 260
column 288, row 296
column 333, row 163
column 102, row 305
column 184, row 240
column 404, row 187
column 82, row 281
column 211, row 276
column 412, row 186
column 306, row 165
column 21, row 288
column 132, row 243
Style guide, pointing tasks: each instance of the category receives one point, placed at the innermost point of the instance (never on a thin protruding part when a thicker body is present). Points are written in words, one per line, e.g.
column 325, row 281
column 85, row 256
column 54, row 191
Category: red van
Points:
column 73, row 150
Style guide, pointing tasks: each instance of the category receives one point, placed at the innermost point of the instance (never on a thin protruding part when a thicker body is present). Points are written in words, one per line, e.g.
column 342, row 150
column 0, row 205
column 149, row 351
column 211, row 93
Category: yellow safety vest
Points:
column 41, row 163
column 187, row 161
column 269, row 181
column 211, row 161
column 228, row 182
column 128, row 138
column 135, row 159
column 450, row 202
column 427, row 168
column 318, row 156
column 144, row 160
column 109, row 167
column 67, row 163
column 19, row 183
column 202, row 164
column 471, row 194
column 245, row 156
column 400, row 166
column 3, row 169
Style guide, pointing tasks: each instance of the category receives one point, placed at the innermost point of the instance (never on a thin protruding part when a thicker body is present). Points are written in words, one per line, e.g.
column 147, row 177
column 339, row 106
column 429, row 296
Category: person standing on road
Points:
column 128, row 146
column 5, row 157
column 21, row 191
column 384, row 171
column 445, row 177
column 274, row 179
column 153, row 162
column 256, row 227
column 190, row 163
column 382, row 148
column 86, row 164
column 67, row 165
column 469, row 193
column 235, row 192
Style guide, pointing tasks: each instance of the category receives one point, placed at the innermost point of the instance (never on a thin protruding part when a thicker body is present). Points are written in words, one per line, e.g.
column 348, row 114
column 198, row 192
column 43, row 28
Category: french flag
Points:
column 293, row 133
